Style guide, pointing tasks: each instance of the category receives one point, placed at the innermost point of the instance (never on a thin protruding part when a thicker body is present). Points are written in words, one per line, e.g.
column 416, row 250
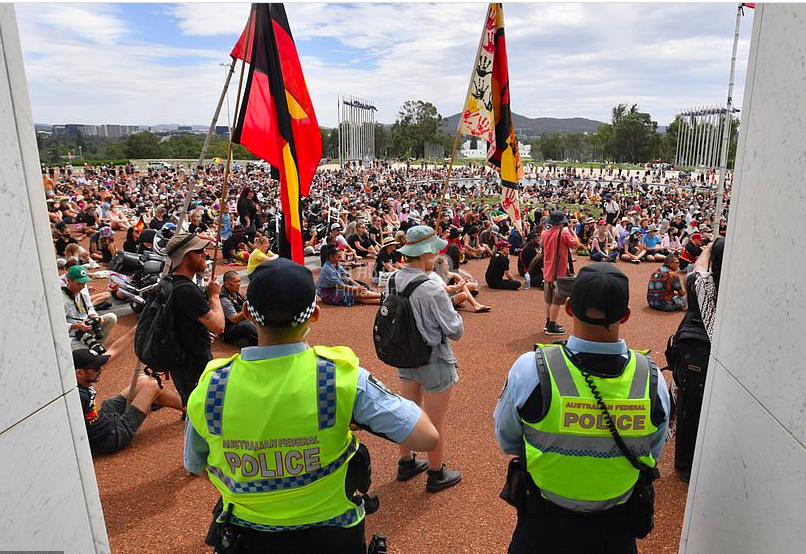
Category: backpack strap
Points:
column 416, row 282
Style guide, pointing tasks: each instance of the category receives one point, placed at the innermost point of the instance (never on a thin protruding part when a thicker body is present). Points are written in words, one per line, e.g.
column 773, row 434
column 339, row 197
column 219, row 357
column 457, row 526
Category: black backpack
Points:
column 398, row 342
column 155, row 338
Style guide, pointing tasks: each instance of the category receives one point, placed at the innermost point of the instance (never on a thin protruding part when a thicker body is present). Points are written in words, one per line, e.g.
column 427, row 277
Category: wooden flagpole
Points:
column 459, row 125
column 225, row 184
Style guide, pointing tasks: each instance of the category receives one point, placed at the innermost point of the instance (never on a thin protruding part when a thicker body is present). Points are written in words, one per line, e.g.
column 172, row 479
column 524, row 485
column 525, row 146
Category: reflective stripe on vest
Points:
column 326, row 392
column 214, row 402
column 346, row 519
column 570, row 453
column 278, row 431
column 281, row 483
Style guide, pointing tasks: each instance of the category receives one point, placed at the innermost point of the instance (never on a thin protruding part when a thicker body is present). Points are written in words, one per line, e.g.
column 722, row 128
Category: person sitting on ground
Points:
column 473, row 247
column 634, row 247
column 459, row 289
column 361, row 243
column 117, row 220
column 691, row 251
column 260, row 254
column 160, row 218
column 386, row 261
column 146, row 241
column 498, row 275
column 487, row 237
column 63, row 238
column 132, row 236
column 529, row 253
column 665, row 291
column 238, row 330
column 603, row 244
column 671, row 242
column 102, row 245
column 652, row 245
column 336, row 287
column 337, row 235
column 112, row 426
column 99, row 300
column 236, row 248
column 515, row 240
column 86, row 219
column 78, row 308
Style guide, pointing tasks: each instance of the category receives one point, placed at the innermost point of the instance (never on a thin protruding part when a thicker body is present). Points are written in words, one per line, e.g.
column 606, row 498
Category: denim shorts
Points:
column 435, row 376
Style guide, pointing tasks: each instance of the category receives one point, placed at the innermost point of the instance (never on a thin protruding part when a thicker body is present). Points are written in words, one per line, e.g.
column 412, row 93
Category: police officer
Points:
column 271, row 426
column 574, row 483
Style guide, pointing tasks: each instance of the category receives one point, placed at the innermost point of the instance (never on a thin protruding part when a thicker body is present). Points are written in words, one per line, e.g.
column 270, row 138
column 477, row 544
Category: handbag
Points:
column 563, row 285
column 641, row 505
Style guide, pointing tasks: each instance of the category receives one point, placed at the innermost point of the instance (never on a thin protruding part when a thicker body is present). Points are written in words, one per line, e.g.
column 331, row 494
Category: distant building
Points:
column 222, row 130
column 479, row 152
column 185, row 129
column 111, row 131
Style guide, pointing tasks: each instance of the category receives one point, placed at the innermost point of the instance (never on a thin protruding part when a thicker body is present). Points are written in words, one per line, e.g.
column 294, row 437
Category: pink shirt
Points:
column 548, row 239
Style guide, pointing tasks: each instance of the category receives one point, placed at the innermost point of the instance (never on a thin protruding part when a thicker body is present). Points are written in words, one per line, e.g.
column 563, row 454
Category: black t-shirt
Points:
column 99, row 424
column 157, row 224
column 87, row 218
column 61, row 244
column 495, row 271
column 527, row 255
column 230, row 246
column 193, row 228
column 383, row 256
column 190, row 303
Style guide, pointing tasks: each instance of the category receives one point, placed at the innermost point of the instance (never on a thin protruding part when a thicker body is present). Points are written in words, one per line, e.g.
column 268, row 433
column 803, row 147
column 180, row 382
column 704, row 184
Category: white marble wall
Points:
column 48, row 493
column 748, row 488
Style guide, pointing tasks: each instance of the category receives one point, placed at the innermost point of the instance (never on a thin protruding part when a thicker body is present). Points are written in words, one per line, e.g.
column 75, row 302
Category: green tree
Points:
column 417, row 122
column 144, row 145
column 552, row 146
column 634, row 135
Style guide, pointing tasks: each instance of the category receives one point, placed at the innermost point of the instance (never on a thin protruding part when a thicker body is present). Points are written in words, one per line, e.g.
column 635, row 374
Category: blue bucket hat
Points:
column 422, row 239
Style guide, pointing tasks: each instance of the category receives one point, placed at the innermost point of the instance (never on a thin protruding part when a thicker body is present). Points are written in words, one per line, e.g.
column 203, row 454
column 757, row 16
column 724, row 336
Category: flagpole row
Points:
column 223, row 202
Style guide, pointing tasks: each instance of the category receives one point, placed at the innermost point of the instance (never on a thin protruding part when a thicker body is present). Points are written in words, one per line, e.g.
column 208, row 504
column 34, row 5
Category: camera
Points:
column 92, row 338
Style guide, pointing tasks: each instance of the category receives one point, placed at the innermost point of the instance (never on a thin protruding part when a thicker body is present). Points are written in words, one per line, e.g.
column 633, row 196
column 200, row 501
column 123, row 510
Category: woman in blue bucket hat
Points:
column 429, row 385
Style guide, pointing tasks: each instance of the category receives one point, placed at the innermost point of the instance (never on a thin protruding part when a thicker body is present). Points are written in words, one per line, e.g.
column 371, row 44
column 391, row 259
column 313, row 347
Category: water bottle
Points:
column 527, row 281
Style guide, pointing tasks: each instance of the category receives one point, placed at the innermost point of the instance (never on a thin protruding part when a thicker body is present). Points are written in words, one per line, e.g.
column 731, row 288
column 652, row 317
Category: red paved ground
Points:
column 151, row 505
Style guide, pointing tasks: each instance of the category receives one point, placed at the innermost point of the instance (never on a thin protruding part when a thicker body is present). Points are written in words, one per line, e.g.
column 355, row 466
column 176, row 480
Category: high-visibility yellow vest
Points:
column 570, row 453
column 279, row 436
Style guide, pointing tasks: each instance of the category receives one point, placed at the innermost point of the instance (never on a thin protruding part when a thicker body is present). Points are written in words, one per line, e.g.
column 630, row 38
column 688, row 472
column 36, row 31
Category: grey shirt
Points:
column 434, row 313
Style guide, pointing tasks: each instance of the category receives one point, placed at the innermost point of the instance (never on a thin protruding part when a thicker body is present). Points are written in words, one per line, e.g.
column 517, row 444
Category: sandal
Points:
column 482, row 310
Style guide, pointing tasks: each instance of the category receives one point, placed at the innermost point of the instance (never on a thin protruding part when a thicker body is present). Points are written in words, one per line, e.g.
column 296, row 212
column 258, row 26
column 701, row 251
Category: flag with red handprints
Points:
column 487, row 113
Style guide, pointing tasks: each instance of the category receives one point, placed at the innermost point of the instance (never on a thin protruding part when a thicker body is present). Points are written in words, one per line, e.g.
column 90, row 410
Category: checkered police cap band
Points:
column 297, row 320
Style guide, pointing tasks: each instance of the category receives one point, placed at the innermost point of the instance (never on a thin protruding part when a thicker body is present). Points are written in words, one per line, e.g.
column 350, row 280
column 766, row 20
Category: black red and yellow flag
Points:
column 276, row 120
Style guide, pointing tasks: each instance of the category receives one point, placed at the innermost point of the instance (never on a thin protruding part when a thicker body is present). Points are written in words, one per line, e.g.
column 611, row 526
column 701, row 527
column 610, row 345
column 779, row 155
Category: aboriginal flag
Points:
column 276, row 120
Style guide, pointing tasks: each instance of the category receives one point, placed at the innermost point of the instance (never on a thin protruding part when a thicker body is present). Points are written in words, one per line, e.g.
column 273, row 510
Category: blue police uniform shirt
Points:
column 523, row 379
column 376, row 407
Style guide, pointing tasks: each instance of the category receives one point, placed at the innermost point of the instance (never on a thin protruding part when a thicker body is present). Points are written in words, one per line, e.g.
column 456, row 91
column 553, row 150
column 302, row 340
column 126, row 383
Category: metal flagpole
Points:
column 723, row 162
column 709, row 137
column 338, row 123
column 684, row 150
column 210, row 131
column 677, row 145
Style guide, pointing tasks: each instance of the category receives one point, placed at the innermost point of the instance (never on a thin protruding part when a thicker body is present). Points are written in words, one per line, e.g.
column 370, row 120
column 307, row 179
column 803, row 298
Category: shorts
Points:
column 435, row 376
column 127, row 422
column 551, row 295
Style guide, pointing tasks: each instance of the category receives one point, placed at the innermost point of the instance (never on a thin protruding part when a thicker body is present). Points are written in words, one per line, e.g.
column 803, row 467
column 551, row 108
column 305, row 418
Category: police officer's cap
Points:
column 281, row 293
column 601, row 287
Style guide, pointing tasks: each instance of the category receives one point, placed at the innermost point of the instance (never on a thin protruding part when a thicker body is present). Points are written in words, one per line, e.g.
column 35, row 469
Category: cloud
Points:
column 565, row 60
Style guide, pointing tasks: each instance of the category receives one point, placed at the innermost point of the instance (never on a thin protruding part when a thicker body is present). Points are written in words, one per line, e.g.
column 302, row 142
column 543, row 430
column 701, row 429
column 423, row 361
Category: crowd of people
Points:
column 375, row 232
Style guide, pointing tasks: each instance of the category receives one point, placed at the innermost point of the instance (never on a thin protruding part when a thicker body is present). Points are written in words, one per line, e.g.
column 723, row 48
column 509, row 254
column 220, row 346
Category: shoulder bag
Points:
column 563, row 285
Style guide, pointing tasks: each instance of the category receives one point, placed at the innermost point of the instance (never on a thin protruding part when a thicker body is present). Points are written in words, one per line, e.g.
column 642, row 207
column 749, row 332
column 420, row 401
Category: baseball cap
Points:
column 602, row 287
column 78, row 273
column 182, row 243
column 335, row 226
column 281, row 294
column 502, row 244
column 696, row 236
column 84, row 358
